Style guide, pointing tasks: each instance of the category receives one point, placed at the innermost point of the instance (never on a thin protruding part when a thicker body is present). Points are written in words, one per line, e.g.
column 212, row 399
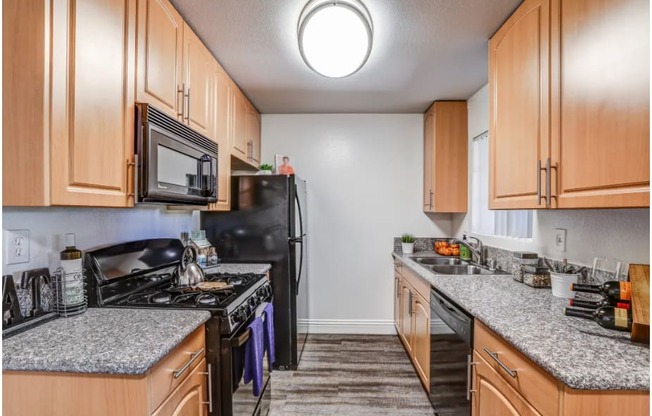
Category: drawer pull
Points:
column 512, row 373
column 179, row 372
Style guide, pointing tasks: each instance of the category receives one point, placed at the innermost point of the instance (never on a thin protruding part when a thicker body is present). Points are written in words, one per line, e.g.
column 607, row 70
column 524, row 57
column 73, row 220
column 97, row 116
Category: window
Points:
column 515, row 224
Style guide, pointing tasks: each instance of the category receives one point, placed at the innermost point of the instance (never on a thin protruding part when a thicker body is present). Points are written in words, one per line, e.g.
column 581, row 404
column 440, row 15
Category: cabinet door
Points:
column 601, row 103
column 159, row 51
column 518, row 106
column 239, row 139
column 253, row 126
column 428, row 148
column 221, row 131
column 92, row 102
column 397, row 301
column 421, row 336
column 493, row 396
column 188, row 399
column 405, row 330
column 197, row 73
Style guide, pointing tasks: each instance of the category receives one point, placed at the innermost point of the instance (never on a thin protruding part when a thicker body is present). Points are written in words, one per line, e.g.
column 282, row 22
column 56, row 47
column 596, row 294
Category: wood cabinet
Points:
column 445, row 163
column 493, row 396
column 253, row 130
column 246, row 140
column 222, row 127
column 157, row 392
column 189, row 398
column 569, row 100
column 412, row 317
column 518, row 106
column 159, row 78
column 73, row 144
column 421, row 336
column 505, row 382
column 198, row 64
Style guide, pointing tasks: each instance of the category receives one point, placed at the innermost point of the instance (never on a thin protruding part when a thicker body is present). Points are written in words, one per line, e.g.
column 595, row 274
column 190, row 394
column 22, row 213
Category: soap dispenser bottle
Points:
column 465, row 253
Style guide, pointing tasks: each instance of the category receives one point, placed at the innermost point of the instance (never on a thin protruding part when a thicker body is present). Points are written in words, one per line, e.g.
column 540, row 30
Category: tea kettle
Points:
column 189, row 273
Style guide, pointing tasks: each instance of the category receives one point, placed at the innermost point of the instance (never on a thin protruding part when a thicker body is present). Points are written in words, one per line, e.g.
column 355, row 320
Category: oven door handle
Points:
column 240, row 340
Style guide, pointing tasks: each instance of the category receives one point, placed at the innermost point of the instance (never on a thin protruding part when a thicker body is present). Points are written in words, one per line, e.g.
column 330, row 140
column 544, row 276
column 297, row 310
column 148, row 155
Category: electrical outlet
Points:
column 16, row 246
column 560, row 239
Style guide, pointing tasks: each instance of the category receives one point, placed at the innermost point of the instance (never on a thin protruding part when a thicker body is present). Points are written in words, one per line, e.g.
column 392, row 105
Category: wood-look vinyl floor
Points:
column 350, row 375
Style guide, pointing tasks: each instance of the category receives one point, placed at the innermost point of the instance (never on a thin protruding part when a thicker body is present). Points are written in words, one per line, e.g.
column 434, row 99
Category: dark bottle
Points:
column 598, row 304
column 607, row 317
column 614, row 290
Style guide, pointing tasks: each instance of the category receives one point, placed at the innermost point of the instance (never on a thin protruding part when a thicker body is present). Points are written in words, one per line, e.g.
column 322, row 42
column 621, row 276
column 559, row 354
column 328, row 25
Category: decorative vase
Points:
column 408, row 248
column 264, row 172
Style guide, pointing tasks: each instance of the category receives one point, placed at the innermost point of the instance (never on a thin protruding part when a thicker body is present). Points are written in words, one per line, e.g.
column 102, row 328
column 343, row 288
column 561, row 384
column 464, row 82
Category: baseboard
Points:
column 360, row 326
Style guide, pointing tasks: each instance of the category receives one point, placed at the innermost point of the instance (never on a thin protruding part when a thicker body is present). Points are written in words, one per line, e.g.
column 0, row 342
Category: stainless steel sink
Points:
column 438, row 260
column 459, row 269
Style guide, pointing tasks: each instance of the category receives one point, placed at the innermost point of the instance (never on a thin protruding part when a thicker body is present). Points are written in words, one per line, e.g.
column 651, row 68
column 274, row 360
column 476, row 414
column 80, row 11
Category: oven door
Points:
column 238, row 398
column 175, row 168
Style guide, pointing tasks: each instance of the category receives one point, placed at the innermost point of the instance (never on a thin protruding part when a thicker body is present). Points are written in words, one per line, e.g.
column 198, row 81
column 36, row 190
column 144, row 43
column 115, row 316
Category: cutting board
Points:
column 639, row 276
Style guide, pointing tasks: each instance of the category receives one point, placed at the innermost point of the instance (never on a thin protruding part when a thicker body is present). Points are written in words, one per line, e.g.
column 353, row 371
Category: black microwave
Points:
column 174, row 164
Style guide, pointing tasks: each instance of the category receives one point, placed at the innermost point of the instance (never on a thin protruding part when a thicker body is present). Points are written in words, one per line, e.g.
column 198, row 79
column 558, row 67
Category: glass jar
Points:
column 522, row 259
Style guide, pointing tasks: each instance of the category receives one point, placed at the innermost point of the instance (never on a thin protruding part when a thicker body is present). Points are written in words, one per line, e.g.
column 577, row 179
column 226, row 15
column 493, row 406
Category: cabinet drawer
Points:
column 417, row 282
column 534, row 384
column 162, row 378
column 190, row 397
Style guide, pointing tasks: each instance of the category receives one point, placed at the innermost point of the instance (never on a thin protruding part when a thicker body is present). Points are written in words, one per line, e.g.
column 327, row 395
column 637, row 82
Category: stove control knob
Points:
column 253, row 302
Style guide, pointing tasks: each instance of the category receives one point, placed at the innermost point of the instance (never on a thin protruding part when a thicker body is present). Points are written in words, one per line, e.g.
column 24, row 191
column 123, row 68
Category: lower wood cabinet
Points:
column 158, row 392
column 412, row 319
column 505, row 382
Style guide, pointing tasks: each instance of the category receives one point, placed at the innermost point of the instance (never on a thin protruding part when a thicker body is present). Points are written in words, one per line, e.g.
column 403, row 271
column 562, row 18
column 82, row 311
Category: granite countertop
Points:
column 102, row 340
column 240, row 268
column 577, row 352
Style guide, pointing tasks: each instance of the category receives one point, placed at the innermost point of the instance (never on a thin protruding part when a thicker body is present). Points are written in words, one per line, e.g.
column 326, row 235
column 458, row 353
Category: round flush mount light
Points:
column 335, row 36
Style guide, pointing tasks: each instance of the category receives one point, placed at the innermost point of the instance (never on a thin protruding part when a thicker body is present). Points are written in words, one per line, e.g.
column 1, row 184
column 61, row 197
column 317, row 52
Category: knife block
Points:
column 639, row 276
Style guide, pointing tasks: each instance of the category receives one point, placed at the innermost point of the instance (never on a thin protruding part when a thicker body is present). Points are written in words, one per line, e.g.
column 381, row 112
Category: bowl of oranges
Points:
column 445, row 247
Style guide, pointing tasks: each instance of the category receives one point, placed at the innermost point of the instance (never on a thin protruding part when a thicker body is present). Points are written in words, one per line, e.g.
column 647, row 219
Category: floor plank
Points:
column 350, row 375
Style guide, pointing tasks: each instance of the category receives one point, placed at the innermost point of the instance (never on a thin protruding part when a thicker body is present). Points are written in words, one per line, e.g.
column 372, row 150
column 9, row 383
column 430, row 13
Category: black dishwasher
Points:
column 450, row 357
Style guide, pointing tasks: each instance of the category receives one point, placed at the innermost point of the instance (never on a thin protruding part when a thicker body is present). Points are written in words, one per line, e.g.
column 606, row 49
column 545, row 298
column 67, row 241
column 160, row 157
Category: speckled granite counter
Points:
column 240, row 268
column 577, row 352
column 102, row 340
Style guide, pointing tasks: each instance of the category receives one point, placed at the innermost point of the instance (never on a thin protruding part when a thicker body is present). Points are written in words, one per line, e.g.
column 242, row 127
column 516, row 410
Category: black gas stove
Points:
column 141, row 274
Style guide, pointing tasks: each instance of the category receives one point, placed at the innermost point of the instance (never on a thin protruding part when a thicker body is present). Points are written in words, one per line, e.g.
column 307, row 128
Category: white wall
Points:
column 94, row 227
column 364, row 175
column 620, row 233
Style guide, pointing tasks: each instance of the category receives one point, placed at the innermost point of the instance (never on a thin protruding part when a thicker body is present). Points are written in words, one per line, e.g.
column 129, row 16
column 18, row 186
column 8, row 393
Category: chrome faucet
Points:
column 477, row 251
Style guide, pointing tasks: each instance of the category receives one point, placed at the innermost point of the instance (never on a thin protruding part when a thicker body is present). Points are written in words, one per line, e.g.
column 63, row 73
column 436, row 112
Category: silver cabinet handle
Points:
column 494, row 355
column 134, row 191
column 209, row 374
column 539, row 182
column 410, row 304
column 179, row 372
column 182, row 90
column 549, row 195
column 469, row 376
column 188, row 111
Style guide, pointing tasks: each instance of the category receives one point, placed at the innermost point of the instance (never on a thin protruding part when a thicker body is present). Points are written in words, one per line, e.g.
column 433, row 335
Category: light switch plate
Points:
column 16, row 246
column 560, row 239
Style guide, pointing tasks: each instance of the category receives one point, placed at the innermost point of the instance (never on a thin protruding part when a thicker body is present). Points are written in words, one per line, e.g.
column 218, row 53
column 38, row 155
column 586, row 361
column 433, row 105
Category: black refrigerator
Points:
column 267, row 224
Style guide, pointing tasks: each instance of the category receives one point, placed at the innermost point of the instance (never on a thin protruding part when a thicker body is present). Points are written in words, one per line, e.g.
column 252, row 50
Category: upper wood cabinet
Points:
column 80, row 147
column 601, row 103
column 159, row 55
column 518, row 106
column 197, row 73
column 445, row 163
column 253, row 133
column 569, row 100
column 222, row 109
column 239, row 140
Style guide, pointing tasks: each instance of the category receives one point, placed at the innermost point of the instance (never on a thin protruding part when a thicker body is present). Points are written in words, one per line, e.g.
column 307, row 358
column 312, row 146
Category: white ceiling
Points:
column 424, row 50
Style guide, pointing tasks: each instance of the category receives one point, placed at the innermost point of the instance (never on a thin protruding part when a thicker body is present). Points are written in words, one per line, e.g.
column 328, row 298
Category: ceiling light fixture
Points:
column 335, row 36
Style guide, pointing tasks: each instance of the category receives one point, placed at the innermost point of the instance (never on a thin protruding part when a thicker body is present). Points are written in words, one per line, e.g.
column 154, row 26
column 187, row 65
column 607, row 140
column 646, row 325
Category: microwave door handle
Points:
column 208, row 187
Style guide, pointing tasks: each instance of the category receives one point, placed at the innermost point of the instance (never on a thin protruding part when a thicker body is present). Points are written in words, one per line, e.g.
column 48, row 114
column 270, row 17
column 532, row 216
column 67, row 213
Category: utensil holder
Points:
column 69, row 293
column 561, row 283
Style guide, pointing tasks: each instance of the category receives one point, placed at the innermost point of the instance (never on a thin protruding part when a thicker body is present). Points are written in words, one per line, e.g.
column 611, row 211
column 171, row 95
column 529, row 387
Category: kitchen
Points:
column 522, row 124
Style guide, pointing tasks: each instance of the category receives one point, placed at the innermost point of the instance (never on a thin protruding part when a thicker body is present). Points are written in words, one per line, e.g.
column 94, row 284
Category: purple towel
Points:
column 269, row 334
column 254, row 352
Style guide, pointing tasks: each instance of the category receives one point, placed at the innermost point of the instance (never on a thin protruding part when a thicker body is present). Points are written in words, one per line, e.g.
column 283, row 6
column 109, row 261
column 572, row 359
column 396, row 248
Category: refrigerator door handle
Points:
column 299, row 240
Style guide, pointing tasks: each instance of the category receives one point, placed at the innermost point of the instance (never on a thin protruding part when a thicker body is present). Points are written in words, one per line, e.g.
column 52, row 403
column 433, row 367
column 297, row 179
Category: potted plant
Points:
column 407, row 243
column 265, row 169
